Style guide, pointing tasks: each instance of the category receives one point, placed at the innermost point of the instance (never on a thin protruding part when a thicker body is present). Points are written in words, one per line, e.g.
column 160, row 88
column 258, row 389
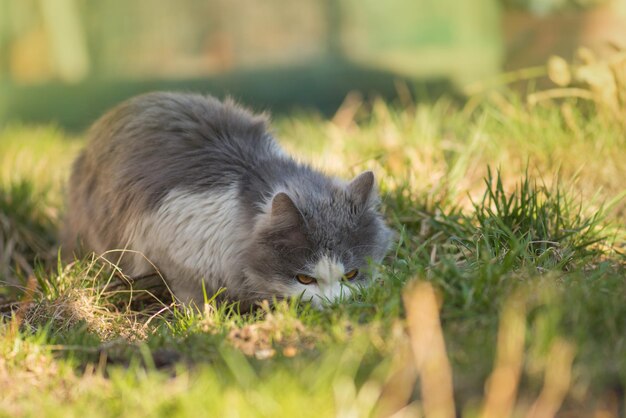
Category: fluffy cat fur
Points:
column 202, row 190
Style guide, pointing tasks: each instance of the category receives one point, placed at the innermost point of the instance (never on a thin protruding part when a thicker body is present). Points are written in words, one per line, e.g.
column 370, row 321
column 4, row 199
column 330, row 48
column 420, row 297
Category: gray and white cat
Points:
column 201, row 190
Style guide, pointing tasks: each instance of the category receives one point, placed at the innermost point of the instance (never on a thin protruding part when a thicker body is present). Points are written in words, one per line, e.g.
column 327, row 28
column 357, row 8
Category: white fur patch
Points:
column 328, row 271
column 330, row 286
column 195, row 234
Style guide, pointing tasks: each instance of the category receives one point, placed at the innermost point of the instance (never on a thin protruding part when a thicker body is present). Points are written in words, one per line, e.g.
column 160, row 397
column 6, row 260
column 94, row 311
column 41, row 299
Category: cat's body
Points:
column 202, row 191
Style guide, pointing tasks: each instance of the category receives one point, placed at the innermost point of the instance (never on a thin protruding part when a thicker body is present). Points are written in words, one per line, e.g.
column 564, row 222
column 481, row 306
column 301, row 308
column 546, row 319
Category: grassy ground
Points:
column 505, row 292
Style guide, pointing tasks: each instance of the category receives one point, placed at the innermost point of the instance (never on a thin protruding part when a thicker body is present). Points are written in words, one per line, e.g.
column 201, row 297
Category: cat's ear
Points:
column 362, row 188
column 285, row 213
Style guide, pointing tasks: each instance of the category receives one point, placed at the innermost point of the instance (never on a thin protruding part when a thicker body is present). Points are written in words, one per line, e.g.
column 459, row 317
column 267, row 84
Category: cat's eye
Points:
column 351, row 274
column 304, row 279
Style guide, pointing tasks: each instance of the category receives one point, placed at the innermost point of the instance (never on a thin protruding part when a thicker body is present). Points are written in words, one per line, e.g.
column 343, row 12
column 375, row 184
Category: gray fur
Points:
column 285, row 217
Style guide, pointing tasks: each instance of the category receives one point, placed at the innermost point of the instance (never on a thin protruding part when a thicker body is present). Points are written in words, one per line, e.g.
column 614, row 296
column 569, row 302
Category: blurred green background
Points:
column 66, row 61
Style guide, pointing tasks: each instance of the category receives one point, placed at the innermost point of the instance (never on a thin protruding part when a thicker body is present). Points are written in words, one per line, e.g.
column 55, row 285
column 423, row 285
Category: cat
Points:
column 200, row 189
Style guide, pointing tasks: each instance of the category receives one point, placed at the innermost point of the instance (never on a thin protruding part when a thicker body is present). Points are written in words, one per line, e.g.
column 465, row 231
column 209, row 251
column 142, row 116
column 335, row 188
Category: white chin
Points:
column 320, row 299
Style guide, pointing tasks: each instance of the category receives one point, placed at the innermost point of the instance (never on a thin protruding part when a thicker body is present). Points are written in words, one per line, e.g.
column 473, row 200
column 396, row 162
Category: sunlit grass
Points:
column 509, row 218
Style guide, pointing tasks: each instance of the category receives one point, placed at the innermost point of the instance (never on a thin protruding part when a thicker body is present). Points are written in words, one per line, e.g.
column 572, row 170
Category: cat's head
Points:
column 318, row 243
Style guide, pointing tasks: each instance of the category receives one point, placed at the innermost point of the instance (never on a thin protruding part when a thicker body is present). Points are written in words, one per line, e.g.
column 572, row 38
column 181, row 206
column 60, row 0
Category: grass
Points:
column 504, row 294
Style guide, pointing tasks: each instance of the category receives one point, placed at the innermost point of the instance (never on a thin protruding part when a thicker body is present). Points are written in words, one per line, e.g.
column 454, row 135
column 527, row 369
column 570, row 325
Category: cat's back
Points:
column 176, row 126
column 155, row 142
column 151, row 145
